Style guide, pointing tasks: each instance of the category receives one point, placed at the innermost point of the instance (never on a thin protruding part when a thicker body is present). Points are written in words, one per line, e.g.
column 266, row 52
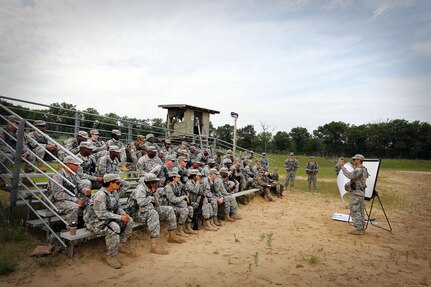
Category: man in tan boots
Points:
column 144, row 206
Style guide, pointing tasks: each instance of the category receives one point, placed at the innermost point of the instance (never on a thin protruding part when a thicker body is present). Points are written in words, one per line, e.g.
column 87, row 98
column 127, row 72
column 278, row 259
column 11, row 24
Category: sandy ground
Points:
column 291, row 242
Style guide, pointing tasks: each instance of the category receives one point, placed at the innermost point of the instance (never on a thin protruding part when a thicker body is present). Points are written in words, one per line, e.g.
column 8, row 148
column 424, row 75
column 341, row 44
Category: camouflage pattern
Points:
column 264, row 162
column 146, row 164
column 118, row 143
column 195, row 189
column 219, row 191
column 87, row 169
column 263, row 185
column 72, row 145
column 108, row 165
column 99, row 148
column 212, row 198
column 66, row 203
column 103, row 217
column 291, row 165
column 144, row 206
column 312, row 168
column 172, row 196
column 6, row 153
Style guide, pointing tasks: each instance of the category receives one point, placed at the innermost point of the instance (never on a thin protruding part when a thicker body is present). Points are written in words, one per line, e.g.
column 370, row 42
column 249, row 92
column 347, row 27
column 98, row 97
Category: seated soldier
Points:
column 87, row 169
column 40, row 144
column 144, row 206
column 173, row 196
column 69, row 200
column 276, row 186
column 199, row 200
column 72, row 144
column 218, row 189
column 99, row 147
column 264, row 185
column 104, row 216
column 149, row 162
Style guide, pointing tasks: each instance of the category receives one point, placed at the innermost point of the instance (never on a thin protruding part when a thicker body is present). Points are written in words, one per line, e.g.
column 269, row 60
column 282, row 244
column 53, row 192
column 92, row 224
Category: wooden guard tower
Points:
column 185, row 119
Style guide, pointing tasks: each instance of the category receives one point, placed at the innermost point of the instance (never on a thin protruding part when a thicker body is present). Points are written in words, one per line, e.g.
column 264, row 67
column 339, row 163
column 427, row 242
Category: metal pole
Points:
column 17, row 161
column 234, row 136
column 129, row 132
column 77, row 121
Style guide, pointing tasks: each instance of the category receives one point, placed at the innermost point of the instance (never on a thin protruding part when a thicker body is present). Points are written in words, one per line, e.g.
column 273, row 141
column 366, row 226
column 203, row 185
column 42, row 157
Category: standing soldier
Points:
column 144, row 206
column 356, row 187
column 291, row 164
column 104, row 216
column 312, row 168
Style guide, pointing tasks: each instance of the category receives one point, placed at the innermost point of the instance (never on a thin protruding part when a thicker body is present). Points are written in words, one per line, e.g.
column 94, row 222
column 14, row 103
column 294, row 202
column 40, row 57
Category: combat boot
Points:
column 211, row 223
column 189, row 230
column 124, row 249
column 180, row 231
column 228, row 218
column 156, row 249
column 208, row 226
column 357, row 232
column 113, row 261
column 236, row 216
column 216, row 221
column 173, row 238
column 41, row 166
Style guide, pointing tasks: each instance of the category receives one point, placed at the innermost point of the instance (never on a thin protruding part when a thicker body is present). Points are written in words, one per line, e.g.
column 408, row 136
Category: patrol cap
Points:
column 213, row 170
column 227, row 160
column 13, row 118
column 292, row 153
column 195, row 161
column 86, row 144
column 116, row 132
column 311, row 157
column 194, row 172
column 229, row 151
column 140, row 137
column 39, row 123
column 72, row 160
column 173, row 174
column 149, row 136
column 150, row 177
column 114, row 148
column 224, row 169
column 211, row 160
column 264, row 153
column 184, row 143
column 219, row 150
column 111, row 177
column 168, row 157
column 168, row 141
column 151, row 148
column 83, row 134
column 358, row 156
column 94, row 132
column 182, row 151
column 181, row 158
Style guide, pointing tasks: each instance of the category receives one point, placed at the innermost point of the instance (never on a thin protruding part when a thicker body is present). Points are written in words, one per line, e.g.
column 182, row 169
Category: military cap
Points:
column 183, row 142
column 195, row 160
column 173, row 173
column 151, row 148
column 311, row 157
column 150, row 177
column 229, row 151
column 194, row 172
column 169, row 157
column 180, row 151
column 114, row 148
column 219, row 150
column 72, row 160
column 111, row 177
column 94, row 132
column 83, row 134
column 224, row 169
column 116, row 132
column 292, row 153
column 192, row 147
column 359, row 156
column 227, row 160
column 149, row 136
column 141, row 137
column 13, row 118
column 86, row 144
column 211, row 160
column 213, row 170
column 168, row 141
column 182, row 158
column 264, row 153
column 39, row 123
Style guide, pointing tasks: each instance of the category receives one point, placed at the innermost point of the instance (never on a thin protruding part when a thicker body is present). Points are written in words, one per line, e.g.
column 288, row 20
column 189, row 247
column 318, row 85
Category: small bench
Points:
column 244, row 192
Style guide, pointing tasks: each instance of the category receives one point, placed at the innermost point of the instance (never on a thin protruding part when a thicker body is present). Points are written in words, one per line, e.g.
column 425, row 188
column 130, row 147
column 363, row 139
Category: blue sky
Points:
column 280, row 63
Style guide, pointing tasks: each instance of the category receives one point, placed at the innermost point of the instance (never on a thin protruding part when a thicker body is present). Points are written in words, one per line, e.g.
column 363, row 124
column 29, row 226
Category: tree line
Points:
column 396, row 138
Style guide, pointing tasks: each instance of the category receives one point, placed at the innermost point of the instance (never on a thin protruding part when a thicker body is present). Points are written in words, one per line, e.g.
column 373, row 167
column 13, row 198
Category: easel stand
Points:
column 376, row 194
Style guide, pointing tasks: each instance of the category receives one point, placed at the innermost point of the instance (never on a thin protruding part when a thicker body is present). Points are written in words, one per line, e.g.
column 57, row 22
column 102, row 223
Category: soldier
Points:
column 250, row 175
column 149, row 162
column 218, row 157
column 356, row 187
column 291, row 164
column 264, row 185
column 143, row 205
column 99, row 147
column 212, row 198
column 206, row 169
column 39, row 144
column 337, row 167
column 72, row 144
column 104, row 216
column 203, row 156
column 182, row 170
column 70, row 203
column 151, row 141
column 199, row 201
column 115, row 141
column 110, row 164
column 192, row 152
column 173, row 196
column 231, row 186
column 217, row 187
column 165, row 170
column 276, row 186
column 138, row 147
column 87, row 169
column 312, row 168
column 167, row 149
column 264, row 161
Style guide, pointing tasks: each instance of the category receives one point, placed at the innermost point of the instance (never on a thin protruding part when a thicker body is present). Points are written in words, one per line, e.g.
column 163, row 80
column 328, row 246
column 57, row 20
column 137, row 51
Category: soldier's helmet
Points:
column 150, row 177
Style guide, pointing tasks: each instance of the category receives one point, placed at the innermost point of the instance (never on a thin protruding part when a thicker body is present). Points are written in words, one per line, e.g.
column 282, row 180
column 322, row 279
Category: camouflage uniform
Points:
column 107, row 165
column 5, row 151
column 173, row 196
column 119, row 144
column 37, row 142
column 218, row 189
column 250, row 177
column 72, row 145
column 359, row 175
column 103, row 217
column 291, row 165
column 264, row 189
column 312, row 168
column 195, row 189
column 264, row 162
column 66, row 203
column 99, row 148
column 146, row 164
column 144, row 206
column 87, row 170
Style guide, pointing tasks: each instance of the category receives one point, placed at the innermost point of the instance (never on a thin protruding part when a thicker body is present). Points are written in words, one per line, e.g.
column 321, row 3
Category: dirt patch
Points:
column 291, row 242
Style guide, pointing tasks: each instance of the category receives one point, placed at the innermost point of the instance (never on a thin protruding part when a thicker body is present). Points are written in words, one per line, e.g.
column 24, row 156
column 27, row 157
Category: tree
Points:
column 281, row 141
column 246, row 137
column 224, row 133
column 333, row 137
column 266, row 135
column 300, row 137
